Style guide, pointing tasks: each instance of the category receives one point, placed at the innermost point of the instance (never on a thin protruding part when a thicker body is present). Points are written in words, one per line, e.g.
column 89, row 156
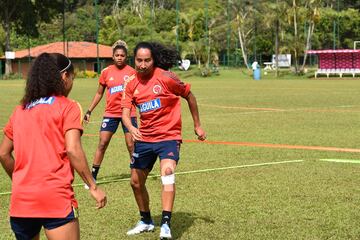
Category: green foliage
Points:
column 80, row 25
column 135, row 21
column 85, row 74
column 2, row 40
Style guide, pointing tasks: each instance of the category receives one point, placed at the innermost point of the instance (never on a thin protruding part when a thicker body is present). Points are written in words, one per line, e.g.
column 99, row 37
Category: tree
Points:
column 244, row 24
column 313, row 16
column 274, row 16
column 23, row 16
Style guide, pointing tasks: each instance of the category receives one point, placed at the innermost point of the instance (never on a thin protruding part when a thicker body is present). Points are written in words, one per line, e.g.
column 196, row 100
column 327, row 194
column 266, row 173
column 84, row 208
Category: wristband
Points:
column 88, row 112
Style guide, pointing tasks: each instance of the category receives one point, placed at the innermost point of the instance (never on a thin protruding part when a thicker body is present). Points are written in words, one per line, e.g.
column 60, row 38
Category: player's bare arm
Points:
column 195, row 115
column 6, row 158
column 78, row 161
column 97, row 98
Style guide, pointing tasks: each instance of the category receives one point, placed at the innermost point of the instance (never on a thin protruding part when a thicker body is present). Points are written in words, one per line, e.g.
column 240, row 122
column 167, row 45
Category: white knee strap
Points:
column 168, row 179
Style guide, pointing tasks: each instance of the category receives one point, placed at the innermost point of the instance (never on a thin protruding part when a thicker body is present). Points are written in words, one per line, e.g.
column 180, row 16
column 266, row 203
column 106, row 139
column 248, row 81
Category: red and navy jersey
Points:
column 158, row 102
column 113, row 79
column 42, row 176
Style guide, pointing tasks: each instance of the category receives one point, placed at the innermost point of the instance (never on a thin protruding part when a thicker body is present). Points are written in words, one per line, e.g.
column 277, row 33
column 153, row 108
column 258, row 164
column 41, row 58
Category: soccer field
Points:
column 281, row 161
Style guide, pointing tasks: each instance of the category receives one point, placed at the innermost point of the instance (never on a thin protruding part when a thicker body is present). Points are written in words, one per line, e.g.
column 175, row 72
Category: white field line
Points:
column 201, row 171
column 341, row 160
column 190, row 172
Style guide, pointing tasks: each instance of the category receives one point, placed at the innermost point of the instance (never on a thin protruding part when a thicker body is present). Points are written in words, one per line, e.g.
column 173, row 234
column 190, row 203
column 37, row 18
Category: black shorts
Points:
column 111, row 124
column 146, row 153
column 27, row 228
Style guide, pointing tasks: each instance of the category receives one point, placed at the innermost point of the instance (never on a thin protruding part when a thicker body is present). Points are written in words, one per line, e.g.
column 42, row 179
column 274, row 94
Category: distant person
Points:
column 156, row 92
column 255, row 65
column 112, row 80
column 44, row 134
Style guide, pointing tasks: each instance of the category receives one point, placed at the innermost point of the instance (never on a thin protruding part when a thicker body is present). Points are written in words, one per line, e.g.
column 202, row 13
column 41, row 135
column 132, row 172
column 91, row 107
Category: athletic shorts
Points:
column 27, row 228
column 146, row 153
column 111, row 124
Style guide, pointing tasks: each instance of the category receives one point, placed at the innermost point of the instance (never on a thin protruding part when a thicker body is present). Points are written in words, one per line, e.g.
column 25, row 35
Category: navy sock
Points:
column 166, row 217
column 95, row 171
column 145, row 217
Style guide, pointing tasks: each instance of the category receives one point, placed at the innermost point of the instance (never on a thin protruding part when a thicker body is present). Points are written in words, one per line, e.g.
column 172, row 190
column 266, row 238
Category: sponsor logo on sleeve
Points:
column 150, row 105
column 116, row 89
column 44, row 100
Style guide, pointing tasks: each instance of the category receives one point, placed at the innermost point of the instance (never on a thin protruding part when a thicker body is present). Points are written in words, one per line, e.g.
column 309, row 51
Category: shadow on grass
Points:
column 182, row 221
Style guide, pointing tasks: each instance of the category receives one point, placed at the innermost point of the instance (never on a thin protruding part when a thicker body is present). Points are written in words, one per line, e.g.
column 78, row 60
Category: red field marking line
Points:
column 332, row 110
column 264, row 145
column 279, row 110
column 247, row 108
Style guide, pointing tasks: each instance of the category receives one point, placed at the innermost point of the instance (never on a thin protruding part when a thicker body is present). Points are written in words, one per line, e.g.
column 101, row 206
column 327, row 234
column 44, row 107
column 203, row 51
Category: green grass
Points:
column 304, row 200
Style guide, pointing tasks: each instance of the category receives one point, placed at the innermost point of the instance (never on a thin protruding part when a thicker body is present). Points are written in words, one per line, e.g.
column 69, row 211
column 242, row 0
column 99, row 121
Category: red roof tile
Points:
column 74, row 50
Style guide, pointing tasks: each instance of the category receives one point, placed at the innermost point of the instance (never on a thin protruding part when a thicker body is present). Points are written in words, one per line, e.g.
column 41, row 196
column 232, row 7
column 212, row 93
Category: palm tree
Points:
column 313, row 14
column 244, row 25
column 274, row 15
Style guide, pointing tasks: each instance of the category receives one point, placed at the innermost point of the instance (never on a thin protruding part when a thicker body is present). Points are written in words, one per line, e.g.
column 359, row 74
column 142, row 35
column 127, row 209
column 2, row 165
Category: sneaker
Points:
column 141, row 227
column 165, row 232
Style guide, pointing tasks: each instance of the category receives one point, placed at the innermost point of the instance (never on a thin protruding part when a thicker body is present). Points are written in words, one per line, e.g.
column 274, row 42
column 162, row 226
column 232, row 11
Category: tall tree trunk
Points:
column 242, row 45
column 296, row 38
column 8, row 66
column 277, row 47
column 308, row 42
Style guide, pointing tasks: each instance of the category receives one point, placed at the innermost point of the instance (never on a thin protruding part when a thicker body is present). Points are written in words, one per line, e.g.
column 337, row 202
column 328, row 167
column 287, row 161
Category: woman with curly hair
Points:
column 44, row 135
column 156, row 92
column 112, row 80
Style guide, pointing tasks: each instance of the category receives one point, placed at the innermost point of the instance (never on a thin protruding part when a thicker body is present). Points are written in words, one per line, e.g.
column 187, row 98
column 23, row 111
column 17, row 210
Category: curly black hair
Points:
column 120, row 47
column 44, row 78
column 164, row 57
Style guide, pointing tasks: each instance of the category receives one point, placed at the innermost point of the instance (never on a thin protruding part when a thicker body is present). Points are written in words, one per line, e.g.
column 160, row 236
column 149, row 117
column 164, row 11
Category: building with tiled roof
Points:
column 82, row 54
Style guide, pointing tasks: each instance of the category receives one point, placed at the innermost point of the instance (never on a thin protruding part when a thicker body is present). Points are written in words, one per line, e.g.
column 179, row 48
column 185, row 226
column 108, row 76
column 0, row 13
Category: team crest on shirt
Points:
column 128, row 78
column 157, row 89
column 111, row 79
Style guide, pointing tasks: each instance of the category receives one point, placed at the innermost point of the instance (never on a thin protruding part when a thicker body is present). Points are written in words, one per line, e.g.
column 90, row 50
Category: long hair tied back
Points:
column 164, row 57
column 44, row 78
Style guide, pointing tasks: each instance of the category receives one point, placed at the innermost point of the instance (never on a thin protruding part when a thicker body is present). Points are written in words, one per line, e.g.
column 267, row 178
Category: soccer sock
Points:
column 166, row 217
column 145, row 217
column 95, row 171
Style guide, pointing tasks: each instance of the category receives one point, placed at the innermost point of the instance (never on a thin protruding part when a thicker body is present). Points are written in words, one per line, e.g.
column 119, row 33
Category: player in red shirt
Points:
column 44, row 135
column 112, row 80
column 156, row 92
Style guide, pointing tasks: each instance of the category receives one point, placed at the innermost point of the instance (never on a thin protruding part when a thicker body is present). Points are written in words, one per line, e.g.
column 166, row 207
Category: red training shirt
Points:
column 42, row 176
column 113, row 78
column 158, row 102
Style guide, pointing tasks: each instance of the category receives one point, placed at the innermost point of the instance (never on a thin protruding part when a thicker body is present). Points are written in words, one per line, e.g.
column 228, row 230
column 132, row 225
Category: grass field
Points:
column 260, row 175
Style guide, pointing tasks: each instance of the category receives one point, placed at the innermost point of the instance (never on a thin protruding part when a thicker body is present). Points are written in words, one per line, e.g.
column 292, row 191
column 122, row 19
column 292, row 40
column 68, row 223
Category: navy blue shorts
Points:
column 27, row 228
column 146, row 153
column 112, row 124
